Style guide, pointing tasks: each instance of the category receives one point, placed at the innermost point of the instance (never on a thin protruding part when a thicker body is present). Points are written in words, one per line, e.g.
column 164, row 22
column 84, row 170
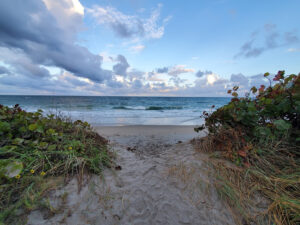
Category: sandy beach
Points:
column 147, row 139
column 159, row 179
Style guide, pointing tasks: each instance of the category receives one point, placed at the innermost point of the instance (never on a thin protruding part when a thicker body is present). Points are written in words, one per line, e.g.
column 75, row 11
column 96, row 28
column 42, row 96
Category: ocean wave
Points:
column 159, row 108
column 163, row 108
column 129, row 107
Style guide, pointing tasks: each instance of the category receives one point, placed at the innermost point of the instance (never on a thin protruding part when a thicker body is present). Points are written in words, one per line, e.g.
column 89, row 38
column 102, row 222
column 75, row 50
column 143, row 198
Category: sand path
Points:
column 162, row 181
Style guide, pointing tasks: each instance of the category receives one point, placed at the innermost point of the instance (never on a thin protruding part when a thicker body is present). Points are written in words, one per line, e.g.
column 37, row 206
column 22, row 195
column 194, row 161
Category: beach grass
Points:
column 36, row 151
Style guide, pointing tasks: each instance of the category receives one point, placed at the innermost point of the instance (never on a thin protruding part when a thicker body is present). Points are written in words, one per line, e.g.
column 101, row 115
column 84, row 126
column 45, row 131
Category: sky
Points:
column 145, row 47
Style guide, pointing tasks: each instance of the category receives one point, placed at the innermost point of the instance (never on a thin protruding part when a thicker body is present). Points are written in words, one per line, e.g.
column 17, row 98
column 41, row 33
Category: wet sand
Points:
column 161, row 180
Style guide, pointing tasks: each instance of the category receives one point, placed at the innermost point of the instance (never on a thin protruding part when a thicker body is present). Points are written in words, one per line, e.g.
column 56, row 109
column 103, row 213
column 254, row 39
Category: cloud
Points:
column 240, row 80
column 137, row 48
column 179, row 69
column 121, row 67
column 202, row 73
column 259, row 79
column 262, row 41
column 137, row 84
column 135, row 74
column 68, row 14
column 177, row 81
column 115, row 84
column 37, row 32
column 293, row 50
column 162, row 70
column 4, row 70
column 128, row 26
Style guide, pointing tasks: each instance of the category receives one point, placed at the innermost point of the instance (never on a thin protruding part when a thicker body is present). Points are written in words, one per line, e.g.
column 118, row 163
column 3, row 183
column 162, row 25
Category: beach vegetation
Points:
column 34, row 149
column 260, row 134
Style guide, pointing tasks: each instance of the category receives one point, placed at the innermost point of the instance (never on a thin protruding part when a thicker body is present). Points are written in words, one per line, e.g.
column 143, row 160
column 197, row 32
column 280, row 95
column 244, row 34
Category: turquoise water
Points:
column 121, row 110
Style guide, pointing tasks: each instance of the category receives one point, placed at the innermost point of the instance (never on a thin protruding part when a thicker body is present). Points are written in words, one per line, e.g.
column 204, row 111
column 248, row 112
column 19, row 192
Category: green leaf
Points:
column 4, row 126
column 18, row 141
column 235, row 94
column 264, row 131
column 50, row 131
column 43, row 145
column 282, row 125
column 235, row 88
column 52, row 147
column 254, row 90
column 32, row 127
column 40, row 129
column 268, row 101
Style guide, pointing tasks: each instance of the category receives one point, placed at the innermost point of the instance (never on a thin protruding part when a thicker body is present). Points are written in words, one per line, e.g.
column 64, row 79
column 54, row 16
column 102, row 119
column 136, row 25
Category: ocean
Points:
column 118, row 111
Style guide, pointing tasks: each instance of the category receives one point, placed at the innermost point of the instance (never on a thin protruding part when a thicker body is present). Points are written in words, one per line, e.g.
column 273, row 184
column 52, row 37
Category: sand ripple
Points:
column 167, row 188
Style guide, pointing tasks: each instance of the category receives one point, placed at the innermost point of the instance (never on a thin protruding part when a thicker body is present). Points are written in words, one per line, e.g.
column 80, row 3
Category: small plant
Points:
column 33, row 146
column 261, row 132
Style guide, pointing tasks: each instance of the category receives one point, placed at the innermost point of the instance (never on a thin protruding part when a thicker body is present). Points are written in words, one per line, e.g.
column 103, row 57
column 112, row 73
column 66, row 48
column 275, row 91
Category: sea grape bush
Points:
column 263, row 116
column 34, row 146
column 48, row 139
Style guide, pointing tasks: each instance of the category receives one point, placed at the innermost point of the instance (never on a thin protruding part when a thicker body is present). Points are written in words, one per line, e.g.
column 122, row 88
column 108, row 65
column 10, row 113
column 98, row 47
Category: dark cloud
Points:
column 127, row 30
column 4, row 70
column 114, row 84
column 177, row 81
column 137, row 84
column 162, row 70
column 121, row 67
column 271, row 39
column 31, row 28
column 202, row 73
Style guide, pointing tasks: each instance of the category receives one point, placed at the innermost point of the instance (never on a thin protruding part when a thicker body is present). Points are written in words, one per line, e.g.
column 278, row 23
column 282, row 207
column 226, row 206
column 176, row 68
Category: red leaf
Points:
column 262, row 88
column 246, row 164
column 242, row 153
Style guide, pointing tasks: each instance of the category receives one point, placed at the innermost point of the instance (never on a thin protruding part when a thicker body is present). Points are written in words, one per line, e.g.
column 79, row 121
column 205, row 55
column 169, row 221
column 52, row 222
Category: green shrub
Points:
column 33, row 146
column 272, row 115
column 260, row 132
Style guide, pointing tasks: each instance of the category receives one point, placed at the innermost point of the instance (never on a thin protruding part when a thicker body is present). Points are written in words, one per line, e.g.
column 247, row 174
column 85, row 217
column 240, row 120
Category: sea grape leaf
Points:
column 32, row 127
column 40, row 129
column 4, row 126
column 282, row 125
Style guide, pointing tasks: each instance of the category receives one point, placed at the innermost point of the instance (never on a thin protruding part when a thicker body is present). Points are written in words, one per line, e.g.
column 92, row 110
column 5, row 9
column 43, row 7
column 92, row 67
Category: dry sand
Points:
column 162, row 181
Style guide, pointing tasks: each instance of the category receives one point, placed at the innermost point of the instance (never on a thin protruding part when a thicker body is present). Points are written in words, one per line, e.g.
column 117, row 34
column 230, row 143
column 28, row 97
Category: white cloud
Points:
column 130, row 26
column 137, row 48
column 211, row 79
column 68, row 14
column 293, row 50
column 179, row 69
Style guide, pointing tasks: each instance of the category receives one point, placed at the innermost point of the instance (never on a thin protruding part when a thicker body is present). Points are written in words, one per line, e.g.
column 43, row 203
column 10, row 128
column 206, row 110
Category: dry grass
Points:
column 268, row 192
column 181, row 172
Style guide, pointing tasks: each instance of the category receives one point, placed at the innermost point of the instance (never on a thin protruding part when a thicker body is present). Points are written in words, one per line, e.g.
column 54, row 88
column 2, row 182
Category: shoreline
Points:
column 142, row 135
